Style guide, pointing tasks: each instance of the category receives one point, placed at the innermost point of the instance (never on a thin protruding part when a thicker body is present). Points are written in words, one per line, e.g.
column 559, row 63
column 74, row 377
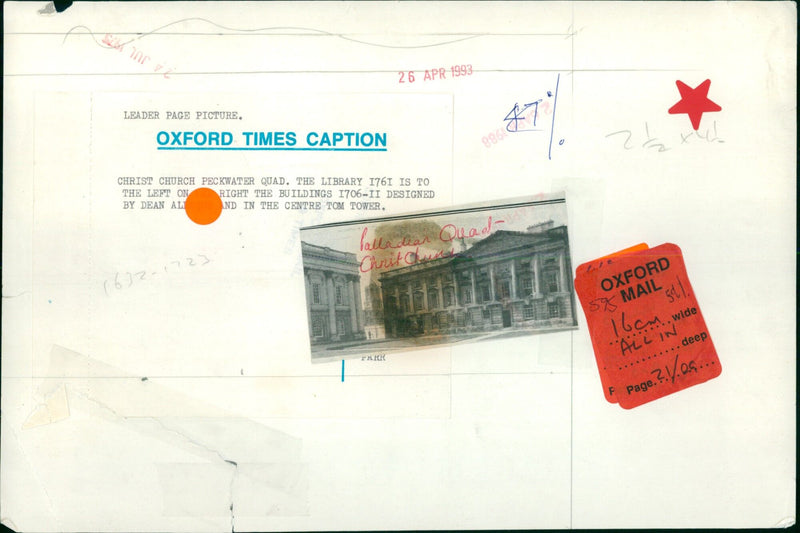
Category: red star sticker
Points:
column 694, row 102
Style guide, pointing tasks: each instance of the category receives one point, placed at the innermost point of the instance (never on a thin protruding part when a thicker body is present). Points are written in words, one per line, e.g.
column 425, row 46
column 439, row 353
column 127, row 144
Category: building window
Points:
column 460, row 319
column 551, row 281
column 417, row 283
column 448, row 296
column 527, row 286
column 475, row 315
column 317, row 329
column 418, row 301
column 341, row 325
column 442, row 319
column 505, row 289
column 487, row 314
column 339, row 295
column 527, row 312
column 315, row 293
column 404, row 303
column 467, row 295
column 487, row 293
column 552, row 308
column 433, row 299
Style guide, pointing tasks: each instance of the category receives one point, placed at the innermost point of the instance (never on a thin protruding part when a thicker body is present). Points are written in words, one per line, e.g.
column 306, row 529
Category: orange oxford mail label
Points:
column 605, row 304
column 648, row 333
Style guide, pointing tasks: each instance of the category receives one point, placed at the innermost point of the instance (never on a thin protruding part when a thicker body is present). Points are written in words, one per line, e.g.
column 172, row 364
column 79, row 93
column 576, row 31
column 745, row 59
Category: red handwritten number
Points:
column 401, row 77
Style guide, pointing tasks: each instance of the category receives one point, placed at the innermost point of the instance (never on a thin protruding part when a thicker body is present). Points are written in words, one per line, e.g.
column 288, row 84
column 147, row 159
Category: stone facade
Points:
column 333, row 294
column 511, row 279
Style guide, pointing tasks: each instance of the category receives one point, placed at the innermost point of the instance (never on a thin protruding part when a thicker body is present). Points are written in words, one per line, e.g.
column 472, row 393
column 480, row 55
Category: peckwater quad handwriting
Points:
column 466, row 274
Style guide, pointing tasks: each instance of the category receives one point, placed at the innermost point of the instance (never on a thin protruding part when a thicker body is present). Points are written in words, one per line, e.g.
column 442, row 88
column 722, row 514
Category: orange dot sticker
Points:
column 203, row 206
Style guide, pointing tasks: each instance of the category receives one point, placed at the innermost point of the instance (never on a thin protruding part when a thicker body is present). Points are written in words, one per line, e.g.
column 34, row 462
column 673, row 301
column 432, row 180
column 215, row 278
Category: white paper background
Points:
column 513, row 433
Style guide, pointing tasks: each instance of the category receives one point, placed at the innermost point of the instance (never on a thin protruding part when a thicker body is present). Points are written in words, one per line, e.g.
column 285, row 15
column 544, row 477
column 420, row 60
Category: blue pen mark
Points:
column 342, row 370
column 552, row 126
column 514, row 117
column 250, row 148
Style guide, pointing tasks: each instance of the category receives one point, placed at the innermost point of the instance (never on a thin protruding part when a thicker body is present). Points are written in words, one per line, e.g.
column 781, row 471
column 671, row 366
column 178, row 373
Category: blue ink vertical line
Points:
column 342, row 370
column 552, row 126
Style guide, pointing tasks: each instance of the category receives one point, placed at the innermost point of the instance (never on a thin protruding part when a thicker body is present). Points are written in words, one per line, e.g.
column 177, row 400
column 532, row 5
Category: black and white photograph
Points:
column 467, row 274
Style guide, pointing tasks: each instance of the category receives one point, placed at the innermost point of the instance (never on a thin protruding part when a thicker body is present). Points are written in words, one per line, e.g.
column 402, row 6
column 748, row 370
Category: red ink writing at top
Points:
column 406, row 257
column 450, row 232
column 380, row 244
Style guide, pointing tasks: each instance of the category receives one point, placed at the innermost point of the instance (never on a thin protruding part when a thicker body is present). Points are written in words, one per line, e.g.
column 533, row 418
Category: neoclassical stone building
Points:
column 333, row 294
column 511, row 279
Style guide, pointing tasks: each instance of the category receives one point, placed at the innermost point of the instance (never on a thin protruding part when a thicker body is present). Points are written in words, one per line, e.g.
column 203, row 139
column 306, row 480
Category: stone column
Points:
column 535, row 265
column 384, row 298
column 359, row 305
column 441, row 292
column 351, row 295
column 491, row 280
column 425, row 294
column 562, row 277
column 474, row 288
column 309, row 299
column 455, row 287
column 513, row 280
column 397, row 300
column 331, row 304
column 411, row 298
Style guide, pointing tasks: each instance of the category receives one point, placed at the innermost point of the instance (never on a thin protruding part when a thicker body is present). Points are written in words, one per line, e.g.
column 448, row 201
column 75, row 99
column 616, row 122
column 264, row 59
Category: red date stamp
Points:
column 433, row 74
column 136, row 55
